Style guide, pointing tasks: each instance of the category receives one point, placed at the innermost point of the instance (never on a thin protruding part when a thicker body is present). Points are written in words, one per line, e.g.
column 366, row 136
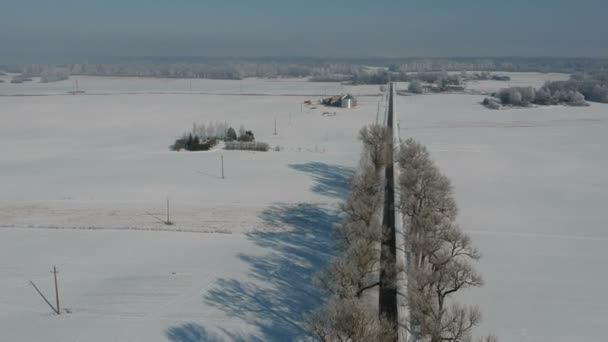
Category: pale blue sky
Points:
column 353, row 28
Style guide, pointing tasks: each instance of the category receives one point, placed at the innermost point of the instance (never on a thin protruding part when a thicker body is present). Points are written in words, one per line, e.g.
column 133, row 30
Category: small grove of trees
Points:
column 439, row 253
column 526, row 96
column 573, row 92
column 203, row 138
column 593, row 86
column 348, row 314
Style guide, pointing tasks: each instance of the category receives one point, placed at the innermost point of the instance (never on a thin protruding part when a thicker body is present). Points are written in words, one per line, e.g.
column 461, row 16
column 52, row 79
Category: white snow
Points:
column 518, row 79
column 239, row 261
column 104, row 161
column 137, row 85
column 531, row 188
column 92, row 162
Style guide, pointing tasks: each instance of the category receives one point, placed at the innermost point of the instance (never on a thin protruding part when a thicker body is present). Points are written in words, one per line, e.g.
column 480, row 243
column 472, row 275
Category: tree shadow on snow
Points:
column 279, row 293
column 331, row 180
column 191, row 332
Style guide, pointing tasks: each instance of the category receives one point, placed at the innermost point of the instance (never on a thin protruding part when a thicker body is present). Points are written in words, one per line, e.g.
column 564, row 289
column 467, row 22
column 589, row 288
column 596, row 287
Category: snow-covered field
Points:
column 238, row 263
column 531, row 187
column 518, row 79
column 96, row 162
column 136, row 85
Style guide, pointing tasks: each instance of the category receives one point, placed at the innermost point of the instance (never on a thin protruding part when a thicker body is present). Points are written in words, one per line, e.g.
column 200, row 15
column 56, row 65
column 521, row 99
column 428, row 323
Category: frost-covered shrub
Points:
column 573, row 98
column 491, row 103
column 544, row 97
column 247, row 146
column 247, row 136
column 517, row 96
column 193, row 143
column 415, row 87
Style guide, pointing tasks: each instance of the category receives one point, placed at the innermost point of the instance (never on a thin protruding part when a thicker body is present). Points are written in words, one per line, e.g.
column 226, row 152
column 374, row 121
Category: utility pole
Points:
column 168, row 219
column 222, row 158
column 275, row 126
column 56, row 291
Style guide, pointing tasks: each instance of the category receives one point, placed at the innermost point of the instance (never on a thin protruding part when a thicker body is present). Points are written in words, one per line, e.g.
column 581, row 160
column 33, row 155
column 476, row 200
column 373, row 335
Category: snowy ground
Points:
column 531, row 187
column 238, row 263
column 518, row 79
column 92, row 162
column 136, row 85
column 103, row 161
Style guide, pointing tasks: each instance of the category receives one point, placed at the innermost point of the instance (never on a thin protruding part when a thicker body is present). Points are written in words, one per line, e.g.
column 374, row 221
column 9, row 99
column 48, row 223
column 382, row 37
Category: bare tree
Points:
column 362, row 207
column 439, row 254
column 355, row 270
column 374, row 138
column 348, row 315
column 348, row 320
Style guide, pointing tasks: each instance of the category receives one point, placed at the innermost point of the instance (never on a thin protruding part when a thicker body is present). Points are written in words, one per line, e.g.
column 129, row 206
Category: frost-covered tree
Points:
column 374, row 139
column 491, row 103
column 528, row 94
column 348, row 315
column 543, row 97
column 348, row 320
column 356, row 269
column 439, row 254
column 415, row 87
column 510, row 96
column 231, row 134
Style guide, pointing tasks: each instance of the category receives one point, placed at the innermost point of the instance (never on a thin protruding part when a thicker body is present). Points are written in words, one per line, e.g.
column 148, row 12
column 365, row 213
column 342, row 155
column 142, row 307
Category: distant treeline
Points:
column 357, row 71
column 576, row 91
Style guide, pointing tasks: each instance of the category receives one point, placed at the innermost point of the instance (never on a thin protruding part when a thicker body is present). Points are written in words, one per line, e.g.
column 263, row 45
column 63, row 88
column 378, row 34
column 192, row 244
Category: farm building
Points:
column 344, row 101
